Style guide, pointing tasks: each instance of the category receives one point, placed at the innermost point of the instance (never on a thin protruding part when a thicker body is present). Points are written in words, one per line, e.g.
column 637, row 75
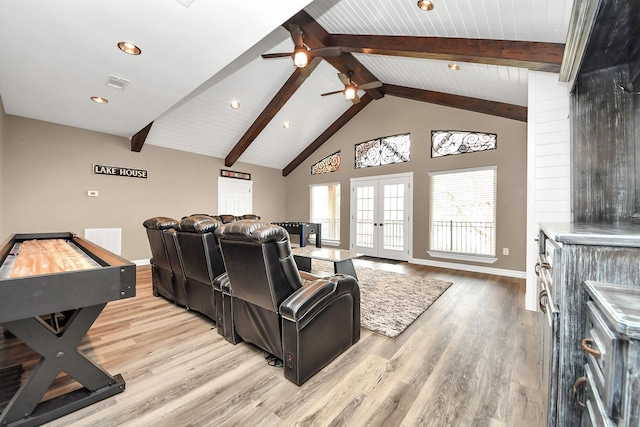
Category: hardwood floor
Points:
column 469, row 360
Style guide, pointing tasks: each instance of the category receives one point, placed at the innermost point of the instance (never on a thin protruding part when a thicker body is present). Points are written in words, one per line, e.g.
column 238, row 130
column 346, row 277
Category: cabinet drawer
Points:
column 606, row 360
column 596, row 413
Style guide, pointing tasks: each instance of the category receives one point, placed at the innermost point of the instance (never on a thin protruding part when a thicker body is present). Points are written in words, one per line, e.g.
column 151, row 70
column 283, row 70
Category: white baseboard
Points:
column 474, row 268
column 141, row 261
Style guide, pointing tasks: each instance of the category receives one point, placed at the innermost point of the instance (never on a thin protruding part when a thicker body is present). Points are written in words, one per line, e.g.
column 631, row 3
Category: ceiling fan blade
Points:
column 344, row 78
column 326, row 51
column 370, row 85
column 331, row 93
column 296, row 36
column 275, row 55
column 356, row 99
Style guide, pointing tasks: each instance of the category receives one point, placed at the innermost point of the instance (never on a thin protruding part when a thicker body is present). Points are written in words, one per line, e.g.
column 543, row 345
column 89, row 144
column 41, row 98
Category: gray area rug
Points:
column 389, row 302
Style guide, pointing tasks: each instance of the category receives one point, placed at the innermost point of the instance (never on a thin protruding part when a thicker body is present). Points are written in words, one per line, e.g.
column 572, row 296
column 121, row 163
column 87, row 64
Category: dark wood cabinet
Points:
column 597, row 252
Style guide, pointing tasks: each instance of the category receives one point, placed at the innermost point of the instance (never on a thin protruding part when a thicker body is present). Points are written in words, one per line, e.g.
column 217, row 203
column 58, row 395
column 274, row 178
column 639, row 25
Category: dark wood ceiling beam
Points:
column 500, row 109
column 328, row 133
column 137, row 140
column 279, row 100
column 315, row 36
column 532, row 55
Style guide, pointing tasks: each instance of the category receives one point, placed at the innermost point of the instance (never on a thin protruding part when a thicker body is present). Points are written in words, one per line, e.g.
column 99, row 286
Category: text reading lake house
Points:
column 118, row 171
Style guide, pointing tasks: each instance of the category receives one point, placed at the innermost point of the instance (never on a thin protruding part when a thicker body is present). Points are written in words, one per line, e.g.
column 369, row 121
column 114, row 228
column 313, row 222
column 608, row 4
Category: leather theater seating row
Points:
column 242, row 275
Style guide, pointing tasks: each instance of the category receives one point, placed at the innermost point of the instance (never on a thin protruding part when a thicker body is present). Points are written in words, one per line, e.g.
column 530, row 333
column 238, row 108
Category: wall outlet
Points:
column 505, row 251
column 92, row 193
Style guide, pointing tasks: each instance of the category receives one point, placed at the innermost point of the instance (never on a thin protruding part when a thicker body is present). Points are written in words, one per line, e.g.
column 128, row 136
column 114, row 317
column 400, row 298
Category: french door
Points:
column 381, row 216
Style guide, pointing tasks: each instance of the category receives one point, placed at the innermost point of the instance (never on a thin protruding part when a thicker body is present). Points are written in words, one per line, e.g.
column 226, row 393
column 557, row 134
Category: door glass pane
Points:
column 364, row 216
column 393, row 228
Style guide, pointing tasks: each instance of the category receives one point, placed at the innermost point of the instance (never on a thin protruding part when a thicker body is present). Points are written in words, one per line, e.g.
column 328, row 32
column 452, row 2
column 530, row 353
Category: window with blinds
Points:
column 325, row 210
column 462, row 211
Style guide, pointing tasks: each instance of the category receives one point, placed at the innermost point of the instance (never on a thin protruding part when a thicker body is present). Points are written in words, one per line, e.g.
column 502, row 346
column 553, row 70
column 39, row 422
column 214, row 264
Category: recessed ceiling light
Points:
column 425, row 5
column 454, row 67
column 286, row 125
column 99, row 100
column 130, row 48
column 235, row 104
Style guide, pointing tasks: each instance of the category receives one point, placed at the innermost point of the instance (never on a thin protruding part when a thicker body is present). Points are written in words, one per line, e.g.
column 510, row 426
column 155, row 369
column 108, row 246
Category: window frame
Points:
column 463, row 256
column 337, row 198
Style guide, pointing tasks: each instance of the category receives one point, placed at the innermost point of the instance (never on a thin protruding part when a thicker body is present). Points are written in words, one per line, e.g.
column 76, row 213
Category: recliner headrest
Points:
column 161, row 223
column 256, row 230
column 199, row 224
column 226, row 218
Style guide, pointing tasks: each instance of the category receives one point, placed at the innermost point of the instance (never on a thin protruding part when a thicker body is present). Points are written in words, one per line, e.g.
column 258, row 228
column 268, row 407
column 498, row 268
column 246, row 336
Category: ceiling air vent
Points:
column 117, row 82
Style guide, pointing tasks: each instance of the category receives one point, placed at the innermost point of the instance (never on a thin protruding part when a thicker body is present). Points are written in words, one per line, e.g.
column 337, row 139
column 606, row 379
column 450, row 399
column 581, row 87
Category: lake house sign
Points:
column 118, row 171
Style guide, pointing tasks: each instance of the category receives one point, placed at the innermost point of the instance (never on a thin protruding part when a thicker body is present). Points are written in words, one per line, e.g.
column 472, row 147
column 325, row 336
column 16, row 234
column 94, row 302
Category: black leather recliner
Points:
column 305, row 326
column 202, row 261
column 177, row 266
column 249, row 216
column 162, row 276
column 225, row 219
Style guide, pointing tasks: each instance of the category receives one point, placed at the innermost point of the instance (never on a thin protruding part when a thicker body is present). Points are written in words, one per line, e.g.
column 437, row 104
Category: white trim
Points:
column 393, row 175
column 450, row 171
column 463, row 257
column 473, row 268
column 324, row 184
column 141, row 261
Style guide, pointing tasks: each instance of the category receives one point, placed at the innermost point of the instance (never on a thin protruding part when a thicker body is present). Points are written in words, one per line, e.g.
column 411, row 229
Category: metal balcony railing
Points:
column 330, row 228
column 478, row 238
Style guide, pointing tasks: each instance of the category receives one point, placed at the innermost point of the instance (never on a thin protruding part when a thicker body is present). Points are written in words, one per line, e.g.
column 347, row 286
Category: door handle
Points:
column 576, row 386
column 586, row 346
column 543, row 307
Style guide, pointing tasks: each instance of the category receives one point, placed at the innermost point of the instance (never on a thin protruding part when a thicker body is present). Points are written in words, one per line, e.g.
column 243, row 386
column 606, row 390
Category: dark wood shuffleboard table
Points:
column 42, row 274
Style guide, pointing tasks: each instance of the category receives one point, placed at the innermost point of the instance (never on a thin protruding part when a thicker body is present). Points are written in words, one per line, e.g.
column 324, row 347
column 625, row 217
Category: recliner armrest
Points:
column 221, row 283
column 309, row 277
column 312, row 297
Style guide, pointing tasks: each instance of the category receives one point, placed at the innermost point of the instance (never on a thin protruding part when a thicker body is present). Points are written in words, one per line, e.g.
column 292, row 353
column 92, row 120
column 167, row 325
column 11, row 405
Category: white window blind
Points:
column 325, row 209
column 462, row 211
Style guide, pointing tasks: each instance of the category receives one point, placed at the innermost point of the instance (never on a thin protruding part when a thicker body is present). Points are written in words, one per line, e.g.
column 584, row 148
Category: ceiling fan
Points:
column 301, row 54
column 350, row 90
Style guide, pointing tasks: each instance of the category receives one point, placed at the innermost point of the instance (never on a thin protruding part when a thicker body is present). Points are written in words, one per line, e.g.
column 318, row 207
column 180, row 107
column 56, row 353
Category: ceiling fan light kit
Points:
column 349, row 92
column 300, row 58
column 301, row 54
column 425, row 5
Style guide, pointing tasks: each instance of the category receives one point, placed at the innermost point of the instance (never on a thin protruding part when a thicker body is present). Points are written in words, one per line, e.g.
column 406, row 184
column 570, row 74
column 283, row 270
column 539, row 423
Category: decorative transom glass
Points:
column 330, row 163
column 449, row 142
column 383, row 151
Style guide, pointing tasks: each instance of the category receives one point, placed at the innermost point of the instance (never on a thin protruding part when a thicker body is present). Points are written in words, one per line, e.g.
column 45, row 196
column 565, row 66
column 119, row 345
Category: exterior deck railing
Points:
column 463, row 237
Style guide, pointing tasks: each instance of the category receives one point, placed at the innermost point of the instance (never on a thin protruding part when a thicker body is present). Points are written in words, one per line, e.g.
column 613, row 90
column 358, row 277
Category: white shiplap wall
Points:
column 548, row 163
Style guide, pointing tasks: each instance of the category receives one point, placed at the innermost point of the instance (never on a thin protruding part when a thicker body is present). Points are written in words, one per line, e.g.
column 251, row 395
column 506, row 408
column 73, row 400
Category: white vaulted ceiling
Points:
column 197, row 59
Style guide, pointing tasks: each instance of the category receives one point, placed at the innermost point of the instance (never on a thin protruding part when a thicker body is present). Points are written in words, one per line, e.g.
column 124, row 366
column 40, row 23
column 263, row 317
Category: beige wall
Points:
column 390, row 116
column 47, row 171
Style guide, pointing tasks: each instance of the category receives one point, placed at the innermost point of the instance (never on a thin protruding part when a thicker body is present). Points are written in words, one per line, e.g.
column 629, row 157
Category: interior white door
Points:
column 380, row 216
column 234, row 196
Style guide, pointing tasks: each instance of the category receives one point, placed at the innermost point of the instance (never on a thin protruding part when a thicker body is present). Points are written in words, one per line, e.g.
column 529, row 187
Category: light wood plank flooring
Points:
column 469, row 360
